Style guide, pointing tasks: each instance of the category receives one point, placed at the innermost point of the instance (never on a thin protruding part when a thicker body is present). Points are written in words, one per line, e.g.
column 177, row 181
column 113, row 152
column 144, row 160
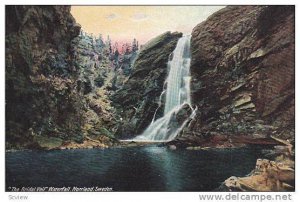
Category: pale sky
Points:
column 123, row 23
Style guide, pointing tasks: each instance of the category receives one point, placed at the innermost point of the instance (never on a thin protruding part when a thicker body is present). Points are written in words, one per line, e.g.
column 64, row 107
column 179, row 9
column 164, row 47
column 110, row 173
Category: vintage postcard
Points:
column 157, row 98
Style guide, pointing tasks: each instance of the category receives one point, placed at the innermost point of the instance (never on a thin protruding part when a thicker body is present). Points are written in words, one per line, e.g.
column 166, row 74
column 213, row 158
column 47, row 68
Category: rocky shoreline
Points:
column 278, row 175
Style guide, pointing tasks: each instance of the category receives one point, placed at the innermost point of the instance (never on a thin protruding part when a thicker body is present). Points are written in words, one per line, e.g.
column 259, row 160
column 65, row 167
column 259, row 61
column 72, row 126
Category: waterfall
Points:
column 177, row 96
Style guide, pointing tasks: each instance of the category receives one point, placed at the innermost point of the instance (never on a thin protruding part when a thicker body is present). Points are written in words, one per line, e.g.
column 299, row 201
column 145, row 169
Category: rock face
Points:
column 40, row 95
column 137, row 101
column 243, row 73
column 47, row 96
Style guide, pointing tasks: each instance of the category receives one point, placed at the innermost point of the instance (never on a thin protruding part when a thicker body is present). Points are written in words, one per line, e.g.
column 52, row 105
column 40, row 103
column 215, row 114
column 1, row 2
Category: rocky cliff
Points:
column 41, row 103
column 138, row 99
column 47, row 105
column 243, row 75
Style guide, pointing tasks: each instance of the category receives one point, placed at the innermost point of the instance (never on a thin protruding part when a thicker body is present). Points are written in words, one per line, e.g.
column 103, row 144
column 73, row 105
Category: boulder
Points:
column 267, row 176
column 48, row 142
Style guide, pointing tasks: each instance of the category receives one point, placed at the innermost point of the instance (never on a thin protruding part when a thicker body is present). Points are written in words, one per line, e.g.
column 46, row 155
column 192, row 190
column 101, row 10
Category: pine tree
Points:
column 134, row 45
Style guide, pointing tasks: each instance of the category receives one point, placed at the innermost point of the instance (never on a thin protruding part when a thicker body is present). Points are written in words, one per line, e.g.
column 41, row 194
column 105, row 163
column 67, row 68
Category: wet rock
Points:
column 194, row 148
column 183, row 114
column 172, row 147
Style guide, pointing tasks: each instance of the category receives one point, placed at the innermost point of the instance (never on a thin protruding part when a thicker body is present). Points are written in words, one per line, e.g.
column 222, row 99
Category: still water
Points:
column 148, row 168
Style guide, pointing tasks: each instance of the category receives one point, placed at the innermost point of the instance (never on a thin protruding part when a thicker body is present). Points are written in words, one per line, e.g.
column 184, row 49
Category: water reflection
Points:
column 169, row 166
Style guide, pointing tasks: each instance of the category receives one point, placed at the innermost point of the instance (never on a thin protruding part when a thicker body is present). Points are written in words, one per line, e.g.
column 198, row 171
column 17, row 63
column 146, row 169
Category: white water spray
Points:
column 167, row 127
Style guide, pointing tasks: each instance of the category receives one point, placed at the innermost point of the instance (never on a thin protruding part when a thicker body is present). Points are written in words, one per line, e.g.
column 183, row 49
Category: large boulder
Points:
column 267, row 176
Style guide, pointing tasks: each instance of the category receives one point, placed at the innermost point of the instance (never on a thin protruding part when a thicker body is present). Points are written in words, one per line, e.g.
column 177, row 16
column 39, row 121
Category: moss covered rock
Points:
column 48, row 142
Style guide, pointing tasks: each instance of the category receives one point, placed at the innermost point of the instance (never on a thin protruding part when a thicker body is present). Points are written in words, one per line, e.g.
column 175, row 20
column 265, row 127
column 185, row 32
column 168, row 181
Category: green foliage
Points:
column 105, row 132
column 78, row 138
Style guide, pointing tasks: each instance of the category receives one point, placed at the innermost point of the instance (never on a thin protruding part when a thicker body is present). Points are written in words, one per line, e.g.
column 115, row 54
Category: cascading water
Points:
column 177, row 95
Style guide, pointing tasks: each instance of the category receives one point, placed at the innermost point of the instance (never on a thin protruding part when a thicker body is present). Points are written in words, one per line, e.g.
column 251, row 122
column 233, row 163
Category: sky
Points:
column 123, row 23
